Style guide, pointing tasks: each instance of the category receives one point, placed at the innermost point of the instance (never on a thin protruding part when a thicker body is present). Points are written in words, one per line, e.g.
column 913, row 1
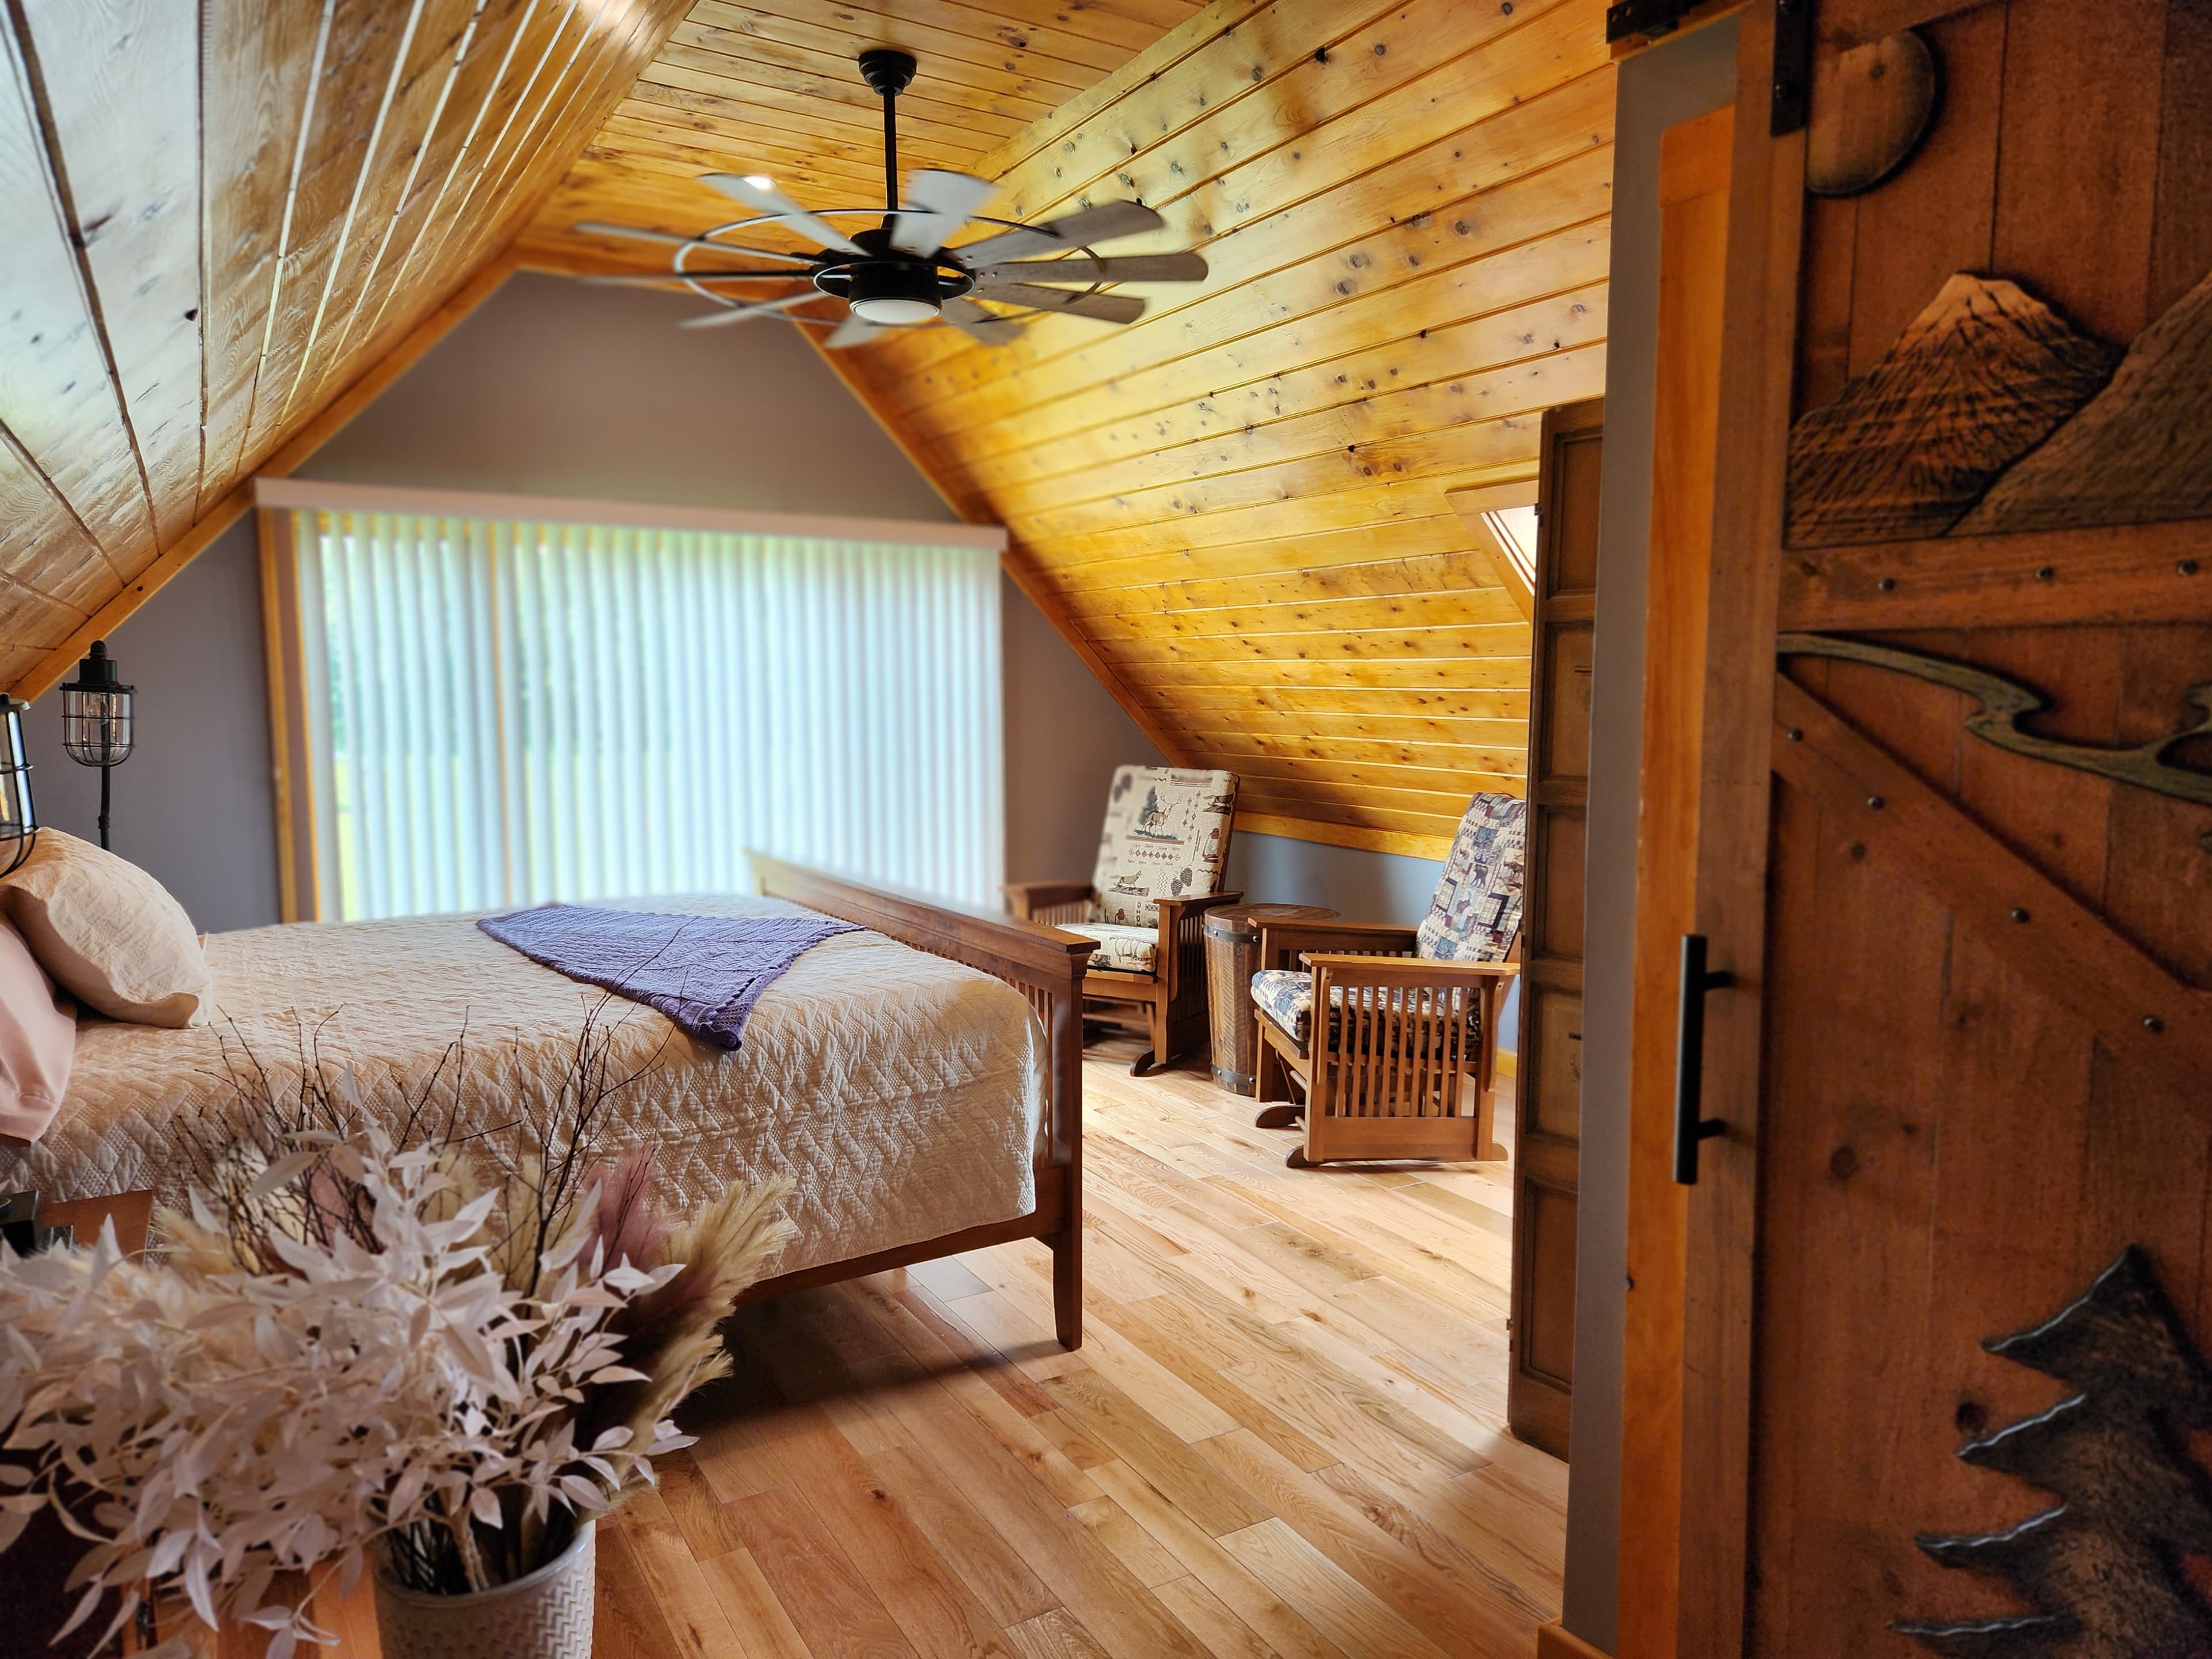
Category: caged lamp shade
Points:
column 96, row 720
column 18, row 821
column 96, row 712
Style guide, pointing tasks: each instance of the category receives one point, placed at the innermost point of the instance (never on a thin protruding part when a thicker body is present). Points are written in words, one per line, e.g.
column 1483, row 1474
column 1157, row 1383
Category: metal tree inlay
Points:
column 2104, row 1568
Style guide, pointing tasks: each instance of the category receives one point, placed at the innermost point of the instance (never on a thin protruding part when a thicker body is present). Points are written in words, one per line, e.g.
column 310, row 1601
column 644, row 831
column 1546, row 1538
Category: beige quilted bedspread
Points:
column 903, row 1093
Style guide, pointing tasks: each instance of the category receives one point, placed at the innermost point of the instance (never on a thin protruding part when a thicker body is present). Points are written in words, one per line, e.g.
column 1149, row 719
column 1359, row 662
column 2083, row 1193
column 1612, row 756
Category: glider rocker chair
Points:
column 1160, row 860
column 1402, row 1061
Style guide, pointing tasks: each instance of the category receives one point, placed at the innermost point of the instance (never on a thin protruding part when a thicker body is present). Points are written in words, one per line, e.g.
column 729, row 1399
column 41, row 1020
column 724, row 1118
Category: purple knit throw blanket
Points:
column 705, row 973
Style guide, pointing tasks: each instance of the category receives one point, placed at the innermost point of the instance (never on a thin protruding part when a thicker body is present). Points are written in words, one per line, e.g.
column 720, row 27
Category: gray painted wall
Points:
column 1659, row 88
column 1364, row 886
column 193, row 803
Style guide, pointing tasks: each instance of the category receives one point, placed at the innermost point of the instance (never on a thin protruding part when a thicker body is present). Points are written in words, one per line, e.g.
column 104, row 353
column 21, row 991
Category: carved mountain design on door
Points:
column 2138, row 453
column 1979, row 378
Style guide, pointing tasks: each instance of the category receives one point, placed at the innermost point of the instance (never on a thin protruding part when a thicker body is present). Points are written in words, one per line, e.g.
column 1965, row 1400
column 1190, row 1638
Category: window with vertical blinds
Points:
column 502, row 712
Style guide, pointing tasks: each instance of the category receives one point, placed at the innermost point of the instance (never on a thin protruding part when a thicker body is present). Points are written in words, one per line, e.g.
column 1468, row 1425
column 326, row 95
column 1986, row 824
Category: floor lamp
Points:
column 96, row 720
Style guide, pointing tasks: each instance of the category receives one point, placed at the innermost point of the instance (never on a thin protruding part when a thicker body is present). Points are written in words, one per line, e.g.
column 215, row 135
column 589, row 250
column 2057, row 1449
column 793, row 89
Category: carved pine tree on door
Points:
column 2102, row 1569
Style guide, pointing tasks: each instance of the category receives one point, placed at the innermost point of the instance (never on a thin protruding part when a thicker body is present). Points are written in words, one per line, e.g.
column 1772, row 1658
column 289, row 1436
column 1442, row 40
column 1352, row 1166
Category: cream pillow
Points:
column 108, row 933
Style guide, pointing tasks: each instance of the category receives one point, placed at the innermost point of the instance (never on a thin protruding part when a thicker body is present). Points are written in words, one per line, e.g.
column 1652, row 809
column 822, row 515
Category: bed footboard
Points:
column 1046, row 966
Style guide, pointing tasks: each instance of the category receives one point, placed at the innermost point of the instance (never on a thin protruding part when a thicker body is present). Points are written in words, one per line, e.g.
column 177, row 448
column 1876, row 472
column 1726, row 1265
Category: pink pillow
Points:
column 38, row 1041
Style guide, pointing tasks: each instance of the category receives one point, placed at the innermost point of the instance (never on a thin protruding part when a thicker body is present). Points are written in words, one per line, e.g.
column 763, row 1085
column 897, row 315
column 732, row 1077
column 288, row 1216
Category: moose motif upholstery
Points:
column 1404, row 1064
column 1161, row 855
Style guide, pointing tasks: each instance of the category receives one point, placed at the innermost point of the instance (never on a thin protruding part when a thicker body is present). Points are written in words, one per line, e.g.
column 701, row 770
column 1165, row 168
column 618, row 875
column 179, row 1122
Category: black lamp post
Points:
column 96, row 720
column 19, row 822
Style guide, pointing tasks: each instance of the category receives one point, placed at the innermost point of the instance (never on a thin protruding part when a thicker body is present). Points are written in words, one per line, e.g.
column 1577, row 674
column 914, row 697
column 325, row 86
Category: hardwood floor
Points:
column 1284, row 1434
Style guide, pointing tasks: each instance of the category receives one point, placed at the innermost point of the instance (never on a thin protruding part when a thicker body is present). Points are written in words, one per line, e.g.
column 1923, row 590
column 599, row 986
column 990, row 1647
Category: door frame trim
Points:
column 1758, row 363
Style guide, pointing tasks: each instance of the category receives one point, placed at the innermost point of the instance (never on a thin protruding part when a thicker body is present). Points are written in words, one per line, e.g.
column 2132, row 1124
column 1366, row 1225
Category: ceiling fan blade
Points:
column 741, row 314
column 664, row 278
column 937, row 204
column 594, row 227
column 984, row 327
column 853, row 330
column 1106, row 307
column 758, row 191
column 1102, row 223
column 1089, row 268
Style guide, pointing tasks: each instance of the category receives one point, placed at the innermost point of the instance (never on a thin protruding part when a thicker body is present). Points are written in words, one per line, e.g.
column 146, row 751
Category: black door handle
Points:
column 1690, row 1128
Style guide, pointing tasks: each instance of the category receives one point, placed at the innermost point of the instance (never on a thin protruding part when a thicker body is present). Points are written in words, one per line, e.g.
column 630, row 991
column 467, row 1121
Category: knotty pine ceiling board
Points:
column 218, row 217
column 1234, row 509
column 774, row 88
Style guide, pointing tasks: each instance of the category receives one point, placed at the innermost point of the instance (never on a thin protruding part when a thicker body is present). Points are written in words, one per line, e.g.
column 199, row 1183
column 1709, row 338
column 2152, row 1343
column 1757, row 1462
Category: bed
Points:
column 920, row 1081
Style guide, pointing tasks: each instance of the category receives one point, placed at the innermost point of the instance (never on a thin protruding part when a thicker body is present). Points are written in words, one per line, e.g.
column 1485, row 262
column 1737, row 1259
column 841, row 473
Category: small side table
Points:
column 1232, row 957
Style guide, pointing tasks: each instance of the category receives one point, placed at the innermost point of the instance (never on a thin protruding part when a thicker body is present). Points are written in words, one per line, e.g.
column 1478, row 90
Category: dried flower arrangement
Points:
column 367, row 1332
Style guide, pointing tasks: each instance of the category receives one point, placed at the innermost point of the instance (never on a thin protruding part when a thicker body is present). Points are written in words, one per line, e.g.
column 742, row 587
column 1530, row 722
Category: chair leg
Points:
column 1487, row 1149
column 1322, row 1080
column 1284, row 1115
column 1156, row 1016
column 1267, row 1082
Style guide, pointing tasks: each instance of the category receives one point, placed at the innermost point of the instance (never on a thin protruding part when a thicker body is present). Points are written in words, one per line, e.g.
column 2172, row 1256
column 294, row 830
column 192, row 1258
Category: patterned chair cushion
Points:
column 1284, row 996
column 1476, row 910
column 1166, row 837
column 1125, row 950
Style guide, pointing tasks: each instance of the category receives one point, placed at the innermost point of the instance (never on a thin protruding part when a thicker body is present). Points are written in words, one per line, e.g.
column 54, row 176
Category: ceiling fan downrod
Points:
column 891, row 72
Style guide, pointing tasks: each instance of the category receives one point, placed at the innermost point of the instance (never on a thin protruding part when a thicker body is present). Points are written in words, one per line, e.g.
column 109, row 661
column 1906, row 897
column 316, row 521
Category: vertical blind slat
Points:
column 524, row 712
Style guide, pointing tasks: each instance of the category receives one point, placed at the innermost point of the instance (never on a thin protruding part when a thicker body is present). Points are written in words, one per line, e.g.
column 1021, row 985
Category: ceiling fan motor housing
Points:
column 893, row 291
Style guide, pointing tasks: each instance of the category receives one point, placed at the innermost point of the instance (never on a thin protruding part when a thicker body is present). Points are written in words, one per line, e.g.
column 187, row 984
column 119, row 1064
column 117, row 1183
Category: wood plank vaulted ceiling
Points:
column 1235, row 509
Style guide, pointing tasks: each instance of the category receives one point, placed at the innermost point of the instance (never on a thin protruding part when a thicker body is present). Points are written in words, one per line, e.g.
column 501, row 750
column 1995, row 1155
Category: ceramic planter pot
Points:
column 546, row 1614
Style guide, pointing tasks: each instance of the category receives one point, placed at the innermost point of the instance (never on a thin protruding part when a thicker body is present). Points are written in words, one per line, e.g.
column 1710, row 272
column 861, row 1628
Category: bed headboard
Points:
column 1043, row 964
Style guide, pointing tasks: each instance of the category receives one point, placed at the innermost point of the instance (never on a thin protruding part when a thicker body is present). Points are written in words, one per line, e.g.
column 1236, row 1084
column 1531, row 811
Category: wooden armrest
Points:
column 1408, row 967
column 1282, row 943
column 1051, row 892
column 1172, row 909
column 1025, row 898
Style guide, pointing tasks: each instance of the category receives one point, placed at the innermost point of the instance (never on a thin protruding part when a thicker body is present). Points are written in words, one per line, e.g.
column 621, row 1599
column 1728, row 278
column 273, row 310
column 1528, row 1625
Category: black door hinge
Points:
column 1649, row 18
column 1793, row 67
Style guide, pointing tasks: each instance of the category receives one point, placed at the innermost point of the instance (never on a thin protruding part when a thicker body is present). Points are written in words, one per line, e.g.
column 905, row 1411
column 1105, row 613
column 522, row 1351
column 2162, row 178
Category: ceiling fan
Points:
column 899, row 273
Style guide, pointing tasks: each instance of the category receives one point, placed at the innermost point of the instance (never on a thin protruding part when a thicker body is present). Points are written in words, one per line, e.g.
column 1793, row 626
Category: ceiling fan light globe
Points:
column 894, row 310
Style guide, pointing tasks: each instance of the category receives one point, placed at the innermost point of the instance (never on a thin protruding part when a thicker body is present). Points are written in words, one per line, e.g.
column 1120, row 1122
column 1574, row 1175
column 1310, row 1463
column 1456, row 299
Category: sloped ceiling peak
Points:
column 1235, row 508
column 217, row 218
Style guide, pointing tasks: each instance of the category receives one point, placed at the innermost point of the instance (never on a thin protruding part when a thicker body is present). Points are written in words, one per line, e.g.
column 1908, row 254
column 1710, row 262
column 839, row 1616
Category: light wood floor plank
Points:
column 1336, row 1603
column 998, row 1576
column 939, row 1614
column 763, row 1629
column 1282, row 1626
column 829, row 1601
column 1445, row 1608
column 1225, row 1635
column 681, row 1590
column 1120, row 1423
column 1056, row 1635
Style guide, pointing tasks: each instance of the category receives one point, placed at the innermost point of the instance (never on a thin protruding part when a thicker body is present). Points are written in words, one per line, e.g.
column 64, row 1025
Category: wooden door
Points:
column 1955, row 842
column 1547, row 1121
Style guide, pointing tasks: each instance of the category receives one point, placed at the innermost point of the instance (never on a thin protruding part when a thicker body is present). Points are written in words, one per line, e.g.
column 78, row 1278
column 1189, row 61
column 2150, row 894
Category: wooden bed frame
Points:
column 1046, row 966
